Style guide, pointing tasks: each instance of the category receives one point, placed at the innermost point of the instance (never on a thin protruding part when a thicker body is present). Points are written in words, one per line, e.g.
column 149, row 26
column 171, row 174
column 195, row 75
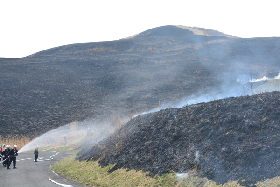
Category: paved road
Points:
column 35, row 174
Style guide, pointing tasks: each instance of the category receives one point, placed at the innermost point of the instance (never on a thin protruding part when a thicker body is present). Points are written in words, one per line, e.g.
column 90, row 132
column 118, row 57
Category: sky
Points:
column 30, row 26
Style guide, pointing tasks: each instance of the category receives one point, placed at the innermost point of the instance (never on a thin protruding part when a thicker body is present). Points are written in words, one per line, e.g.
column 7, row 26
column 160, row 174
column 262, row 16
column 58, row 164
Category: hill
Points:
column 105, row 81
column 236, row 138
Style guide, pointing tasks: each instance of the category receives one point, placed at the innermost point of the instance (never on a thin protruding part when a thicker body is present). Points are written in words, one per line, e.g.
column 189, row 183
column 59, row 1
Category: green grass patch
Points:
column 65, row 149
column 91, row 174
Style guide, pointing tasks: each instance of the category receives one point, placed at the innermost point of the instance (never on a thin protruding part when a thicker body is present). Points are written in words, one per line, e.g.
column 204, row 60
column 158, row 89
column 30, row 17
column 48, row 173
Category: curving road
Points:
column 34, row 174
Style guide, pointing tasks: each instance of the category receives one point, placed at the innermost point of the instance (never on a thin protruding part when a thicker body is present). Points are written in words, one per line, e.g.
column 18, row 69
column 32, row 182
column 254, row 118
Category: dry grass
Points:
column 270, row 182
column 91, row 174
column 18, row 140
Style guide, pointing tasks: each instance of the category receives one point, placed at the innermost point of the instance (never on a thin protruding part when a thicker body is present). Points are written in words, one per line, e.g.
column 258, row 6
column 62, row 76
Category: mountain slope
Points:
column 229, row 139
column 105, row 80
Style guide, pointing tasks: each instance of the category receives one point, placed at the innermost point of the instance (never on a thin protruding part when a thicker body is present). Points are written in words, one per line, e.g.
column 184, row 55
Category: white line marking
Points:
column 64, row 185
column 55, row 173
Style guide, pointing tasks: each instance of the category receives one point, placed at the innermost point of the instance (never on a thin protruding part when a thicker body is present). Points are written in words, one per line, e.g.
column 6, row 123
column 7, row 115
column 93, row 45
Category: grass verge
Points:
column 91, row 174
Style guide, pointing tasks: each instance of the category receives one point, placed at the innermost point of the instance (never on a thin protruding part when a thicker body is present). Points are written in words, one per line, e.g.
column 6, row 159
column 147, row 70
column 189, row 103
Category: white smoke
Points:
column 194, row 99
column 54, row 138
column 264, row 78
column 277, row 77
column 261, row 79
column 180, row 176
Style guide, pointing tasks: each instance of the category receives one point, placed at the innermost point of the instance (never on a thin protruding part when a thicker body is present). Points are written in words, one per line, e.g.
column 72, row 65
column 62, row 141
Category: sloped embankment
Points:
column 229, row 139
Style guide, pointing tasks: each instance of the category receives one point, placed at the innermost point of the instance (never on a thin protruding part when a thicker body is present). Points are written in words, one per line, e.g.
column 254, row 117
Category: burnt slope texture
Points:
column 97, row 80
column 236, row 138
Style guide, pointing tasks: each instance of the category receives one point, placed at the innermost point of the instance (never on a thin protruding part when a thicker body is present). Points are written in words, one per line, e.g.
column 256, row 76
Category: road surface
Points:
column 34, row 174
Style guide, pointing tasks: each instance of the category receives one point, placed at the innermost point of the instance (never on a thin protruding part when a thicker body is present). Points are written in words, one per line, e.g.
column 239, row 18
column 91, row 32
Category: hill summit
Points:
column 229, row 139
column 101, row 80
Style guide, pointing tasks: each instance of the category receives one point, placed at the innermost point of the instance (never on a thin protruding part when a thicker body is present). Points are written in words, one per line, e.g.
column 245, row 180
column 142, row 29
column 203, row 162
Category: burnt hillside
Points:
column 126, row 77
column 236, row 138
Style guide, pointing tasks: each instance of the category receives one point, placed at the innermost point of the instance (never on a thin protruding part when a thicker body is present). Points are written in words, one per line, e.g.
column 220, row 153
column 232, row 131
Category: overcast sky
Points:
column 29, row 26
